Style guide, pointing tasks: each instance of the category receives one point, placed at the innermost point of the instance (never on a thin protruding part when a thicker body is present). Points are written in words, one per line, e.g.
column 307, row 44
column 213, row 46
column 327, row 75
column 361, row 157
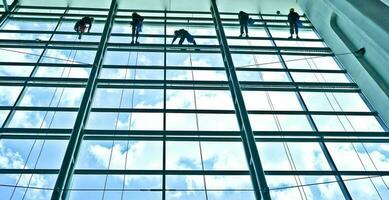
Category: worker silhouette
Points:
column 293, row 18
column 82, row 24
column 183, row 34
column 243, row 21
column 137, row 23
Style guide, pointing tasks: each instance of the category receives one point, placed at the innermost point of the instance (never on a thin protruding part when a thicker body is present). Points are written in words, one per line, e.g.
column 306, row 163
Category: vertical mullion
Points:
column 8, row 10
column 164, row 113
column 69, row 161
column 323, row 146
column 257, row 175
column 32, row 74
column 5, row 4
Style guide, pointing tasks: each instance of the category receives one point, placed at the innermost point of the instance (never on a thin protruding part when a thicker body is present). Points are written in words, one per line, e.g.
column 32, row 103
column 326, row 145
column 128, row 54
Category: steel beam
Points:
column 5, row 4
column 67, row 168
column 196, row 172
column 8, row 10
column 256, row 170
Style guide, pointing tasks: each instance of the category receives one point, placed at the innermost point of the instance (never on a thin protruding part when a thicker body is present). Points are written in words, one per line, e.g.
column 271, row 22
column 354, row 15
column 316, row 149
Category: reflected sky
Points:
column 182, row 115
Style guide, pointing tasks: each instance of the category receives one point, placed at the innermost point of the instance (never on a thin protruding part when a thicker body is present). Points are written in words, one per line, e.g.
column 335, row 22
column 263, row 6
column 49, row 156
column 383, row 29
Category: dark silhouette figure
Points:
column 183, row 34
column 82, row 24
column 137, row 23
column 243, row 21
column 293, row 18
column 360, row 52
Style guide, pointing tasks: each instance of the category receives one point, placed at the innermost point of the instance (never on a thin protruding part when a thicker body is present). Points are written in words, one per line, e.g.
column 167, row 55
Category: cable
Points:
column 340, row 121
column 40, row 151
column 130, row 117
column 128, row 142
column 285, row 145
column 33, row 54
column 198, row 127
column 292, row 60
column 243, row 66
column 272, row 189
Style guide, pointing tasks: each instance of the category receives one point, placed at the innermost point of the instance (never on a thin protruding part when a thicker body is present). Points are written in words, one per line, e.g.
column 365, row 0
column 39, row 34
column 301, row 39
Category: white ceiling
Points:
column 253, row 6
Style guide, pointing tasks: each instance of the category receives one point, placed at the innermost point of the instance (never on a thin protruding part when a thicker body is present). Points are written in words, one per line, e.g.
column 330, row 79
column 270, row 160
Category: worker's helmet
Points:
column 291, row 10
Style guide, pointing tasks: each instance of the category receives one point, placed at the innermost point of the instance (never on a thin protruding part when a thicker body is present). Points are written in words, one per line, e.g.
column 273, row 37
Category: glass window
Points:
column 32, row 154
column 319, row 101
column 129, row 155
column 347, row 123
column 8, row 95
column 292, row 156
column 42, row 119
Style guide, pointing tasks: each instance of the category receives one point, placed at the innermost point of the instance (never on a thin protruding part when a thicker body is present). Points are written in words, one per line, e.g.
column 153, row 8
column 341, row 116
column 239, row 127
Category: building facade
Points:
column 258, row 117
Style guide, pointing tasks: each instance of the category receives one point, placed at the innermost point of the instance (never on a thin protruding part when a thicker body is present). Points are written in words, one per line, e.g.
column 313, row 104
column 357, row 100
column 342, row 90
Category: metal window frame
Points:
column 164, row 135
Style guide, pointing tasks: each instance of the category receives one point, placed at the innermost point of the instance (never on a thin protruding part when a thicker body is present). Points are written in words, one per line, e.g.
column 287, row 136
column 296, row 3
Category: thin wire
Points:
column 130, row 118
column 242, row 66
column 128, row 142
column 278, row 188
column 291, row 60
column 198, row 128
column 33, row 145
column 285, row 145
column 51, row 120
column 363, row 145
column 276, row 120
column 34, row 54
column 113, row 143
column 286, row 149
column 314, row 66
column 355, row 150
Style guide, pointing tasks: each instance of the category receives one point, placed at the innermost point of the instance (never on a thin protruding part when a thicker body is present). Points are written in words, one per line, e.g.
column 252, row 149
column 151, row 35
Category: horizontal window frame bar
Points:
column 197, row 172
column 114, row 34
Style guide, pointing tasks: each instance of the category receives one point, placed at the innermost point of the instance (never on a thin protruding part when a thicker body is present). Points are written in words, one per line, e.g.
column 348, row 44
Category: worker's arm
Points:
column 174, row 39
column 90, row 26
column 76, row 27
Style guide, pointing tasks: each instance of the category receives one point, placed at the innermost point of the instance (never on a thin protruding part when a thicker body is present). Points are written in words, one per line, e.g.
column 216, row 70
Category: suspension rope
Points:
column 113, row 141
column 34, row 143
column 286, row 147
column 278, row 124
column 273, row 189
column 242, row 66
column 130, row 119
column 198, row 127
column 51, row 57
column 53, row 116
column 314, row 66
column 292, row 60
column 128, row 142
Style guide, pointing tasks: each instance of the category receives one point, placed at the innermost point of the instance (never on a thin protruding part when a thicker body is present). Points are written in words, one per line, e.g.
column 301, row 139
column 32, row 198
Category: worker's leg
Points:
column 82, row 30
column 181, row 40
column 291, row 29
column 247, row 30
column 132, row 34
column 136, row 36
column 296, row 28
column 241, row 31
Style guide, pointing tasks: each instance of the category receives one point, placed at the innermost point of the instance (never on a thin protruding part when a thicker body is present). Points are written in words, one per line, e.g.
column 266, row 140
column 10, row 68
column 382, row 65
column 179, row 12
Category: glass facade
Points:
column 98, row 118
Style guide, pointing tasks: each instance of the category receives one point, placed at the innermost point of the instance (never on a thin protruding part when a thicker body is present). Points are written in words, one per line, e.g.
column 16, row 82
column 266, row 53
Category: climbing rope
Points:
column 198, row 127
column 314, row 66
